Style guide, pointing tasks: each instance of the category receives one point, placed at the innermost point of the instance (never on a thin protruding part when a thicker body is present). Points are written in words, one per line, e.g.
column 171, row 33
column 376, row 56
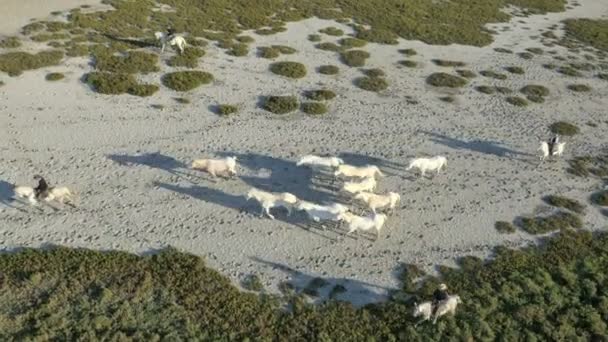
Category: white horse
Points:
column 61, row 194
column 558, row 150
column 428, row 164
column 176, row 40
column 444, row 307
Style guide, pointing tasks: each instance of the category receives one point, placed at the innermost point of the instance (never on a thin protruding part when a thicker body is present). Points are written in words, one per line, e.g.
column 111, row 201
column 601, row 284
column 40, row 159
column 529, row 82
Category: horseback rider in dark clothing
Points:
column 170, row 32
column 41, row 188
column 552, row 142
column 440, row 294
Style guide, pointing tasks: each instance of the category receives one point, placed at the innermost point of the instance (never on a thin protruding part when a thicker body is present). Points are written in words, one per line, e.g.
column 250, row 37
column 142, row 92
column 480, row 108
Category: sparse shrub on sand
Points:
column 408, row 63
column 188, row 59
column 535, row 98
column 504, row 227
column 268, row 52
column 517, row 101
column 569, row 71
column 448, row 63
column 281, row 104
column 116, row 83
column 253, row 283
column 526, row 55
column 238, row 50
column 181, row 100
column 132, row 63
column 536, row 51
column 564, row 128
column 515, row 70
column 332, row 31
column 579, row 87
column 503, row 90
column 375, row 72
column 535, row 93
column 31, row 28
column 226, row 109
column 441, row 79
column 329, row 47
column 349, row 43
column 558, row 221
column 354, row 58
column 493, row 74
column 14, row 63
column 45, row 37
column 448, row 99
column 314, row 108
column 584, row 166
column 320, row 95
column 466, row 73
column 371, row 83
column 564, row 202
column 379, row 36
column 143, row 90
column 600, row 198
column 314, row 37
column 186, row 80
column 54, row 76
column 10, row 43
column 486, row 89
column 328, row 70
column 245, row 39
column 408, row 52
column 549, row 66
column 286, row 50
column 289, row 69
column 502, row 50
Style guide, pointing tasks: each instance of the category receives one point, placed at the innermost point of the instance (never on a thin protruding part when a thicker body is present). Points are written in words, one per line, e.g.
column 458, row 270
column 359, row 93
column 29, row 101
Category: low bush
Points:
column 493, row 74
column 504, row 227
column 132, row 63
column 320, row 95
column 10, row 43
column 374, row 72
column 486, row 89
column 466, row 73
column 408, row 63
column 328, row 70
column 564, row 202
column 238, row 50
column 14, row 63
column 268, row 52
column 329, row 47
column 286, row 50
column 314, row 37
column 354, row 58
column 579, row 87
column 45, row 37
column 447, row 63
column 502, row 50
column 441, row 79
column 447, row 99
column 526, row 55
column 186, row 80
column 602, row 76
column 549, row 66
column 188, row 59
column 54, row 76
column 349, row 43
column 378, row 36
column 226, row 109
column 534, row 90
column 332, row 31
column 281, row 104
column 600, row 198
column 515, row 70
column 371, row 83
column 558, row 221
column 563, row 128
column 517, row 101
column 245, row 39
column 314, row 108
column 408, row 52
column 569, row 71
column 143, row 90
column 181, row 100
column 503, row 90
column 289, row 69
column 116, row 83
column 535, row 98
column 584, row 166
column 536, row 51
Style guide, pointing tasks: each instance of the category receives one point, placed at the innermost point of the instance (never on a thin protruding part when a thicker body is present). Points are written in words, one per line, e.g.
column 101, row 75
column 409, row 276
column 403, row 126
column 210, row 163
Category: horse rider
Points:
column 170, row 32
column 552, row 143
column 440, row 294
column 42, row 188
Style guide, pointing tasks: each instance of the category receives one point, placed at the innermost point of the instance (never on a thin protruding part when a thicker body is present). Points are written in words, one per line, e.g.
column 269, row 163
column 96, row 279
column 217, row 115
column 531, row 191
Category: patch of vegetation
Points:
column 226, row 109
column 504, row 227
column 503, row 90
column 188, row 59
column 10, row 43
column 186, row 80
column 312, row 288
column 45, row 37
column 268, row 52
column 54, row 76
column 493, row 74
column 281, row 104
column 448, row 99
column 371, row 83
column 515, row 70
column 314, row 37
column 379, row 36
column 536, row 51
column 253, row 283
column 569, row 71
column 466, row 73
column 589, row 165
column 132, row 63
column 593, row 32
column 289, row 69
column 332, row 31
column 245, row 39
column 14, row 63
column 526, row 55
column 517, row 101
column 408, row 63
column 181, row 100
column 441, row 79
column 408, row 52
column 328, row 70
column 563, row 128
column 116, row 83
column 602, row 76
column 600, row 198
column 535, row 98
column 566, row 203
column 320, row 95
column 349, row 43
column 374, row 72
column 579, row 87
column 535, row 93
column 314, row 108
column 502, row 50
column 486, row 89
column 239, row 50
column 286, row 50
column 549, row 66
column 143, row 90
column 31, row 28
column 329, row 47
column 447, row 63
column 558, row 221
column 354, row 58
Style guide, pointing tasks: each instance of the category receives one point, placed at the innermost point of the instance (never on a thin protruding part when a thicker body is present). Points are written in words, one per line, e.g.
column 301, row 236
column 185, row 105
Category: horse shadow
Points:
column 155, row 160
column 356, row 292
column 6, row 193
column 135, row 43
column 481, row 146
column 238, row 203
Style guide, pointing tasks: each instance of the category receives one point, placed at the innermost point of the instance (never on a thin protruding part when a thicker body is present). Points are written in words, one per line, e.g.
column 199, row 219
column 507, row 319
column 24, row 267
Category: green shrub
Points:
column 14, row 63
column 559, row 221
column 536, row 51
column 320, row 95
column 329, row 47
column 143, row 90
column 134, row 62
column 349, row 43
column 584, row 166
column 371, row 83
column 549, row 66
column 314, row 37
column 534, row 90
column 569, row 71
column 579, row 87
column 563, row 128
column 44, row 37
column 253, row 283
column 354, row 58
column 281, row 104
column 515, row 70
column 188, row 59
column 441, row 79
column 588, row 31
column 564, row 202
column 238, row 50
column 31, row 28
column 286, row 50
column 502, row 50
column 332, row 31
column 181, row 100
column 374, row 72
column 466, row 73
column 115, row 83
column 186, row 80
column 517, row 101
column 486, row 89
column 493, row 74
column 378, row 36
column 600, row 198
column 408, row 52
column 446, row 63
column 448, row 99
column 10, row 43
column 535, row 98
column 526, row 55
column 289, row 69
column 245, row 39
column 314, row 108
column 54, row 76
column 225, row 109
column 503, row 90
column 328, row 70
column 408, row 63
column 268, row 52
column 504, row 227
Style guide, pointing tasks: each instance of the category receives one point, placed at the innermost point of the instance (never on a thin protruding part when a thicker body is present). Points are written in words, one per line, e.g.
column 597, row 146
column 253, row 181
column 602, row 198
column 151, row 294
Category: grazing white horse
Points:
column 176, row 40
column 61, row 194
column 444, row 307
column 428, row 164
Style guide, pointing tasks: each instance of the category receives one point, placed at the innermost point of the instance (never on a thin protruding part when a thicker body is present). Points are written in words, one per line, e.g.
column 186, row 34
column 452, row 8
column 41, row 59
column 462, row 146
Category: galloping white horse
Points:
column 557, row 151
column 426, row 309
column 178, row 41
column 428, row 164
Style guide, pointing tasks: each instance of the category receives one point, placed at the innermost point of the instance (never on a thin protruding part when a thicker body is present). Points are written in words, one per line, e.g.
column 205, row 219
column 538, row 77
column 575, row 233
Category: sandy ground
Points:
column 128, row 161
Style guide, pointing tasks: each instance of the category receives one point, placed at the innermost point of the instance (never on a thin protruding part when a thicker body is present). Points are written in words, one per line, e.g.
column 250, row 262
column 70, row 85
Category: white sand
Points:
column 75, row 138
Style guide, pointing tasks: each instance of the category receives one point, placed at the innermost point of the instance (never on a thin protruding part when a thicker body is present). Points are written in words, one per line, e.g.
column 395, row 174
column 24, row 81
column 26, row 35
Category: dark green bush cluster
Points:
column 314, row 37
column 515, row 70
column 281, row 104
column 349, row 43
column 526, row 55
column 569, row 71
column 314, row 108
column 558, row 221
column 328, row 70
column 579, row 87
column 486, row 89
column 504, row 227
column 535, row 50
column 408, row 52
column 442, row 79
column 517, row 101
column 132, row 63
column 54, row 76
column 354, row 58
column 584, row 166
column 188, row 59
column 535, row 93
column 602, row 76
column 564, row 128
column 10, row 43
column 371, row 83
column 332, row 31
column 226, row 109
column 275, row 51
column 289, row 69
column 117, row 83
column 327, row 46
column 588, row 31
column 14, row 63
column 186, row 80
column 448, row 63
column 493, row 74
column 320, row 95
column 408, row 63
column 376, row 35
column 566, row 203
column 238, row 50
column 375, row 72
column 600, row 198
column 466, row 73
